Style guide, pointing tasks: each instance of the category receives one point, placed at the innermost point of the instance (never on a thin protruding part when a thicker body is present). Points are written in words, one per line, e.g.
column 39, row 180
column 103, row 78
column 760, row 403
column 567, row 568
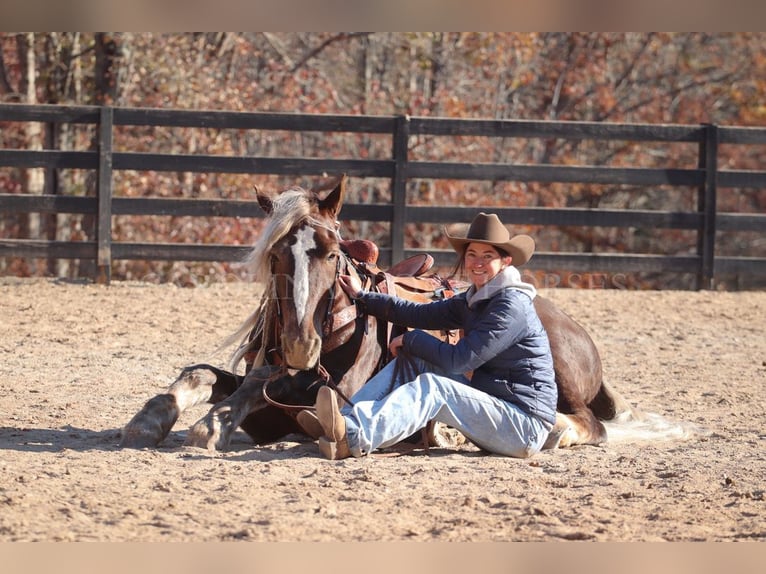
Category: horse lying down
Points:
column 306, row 332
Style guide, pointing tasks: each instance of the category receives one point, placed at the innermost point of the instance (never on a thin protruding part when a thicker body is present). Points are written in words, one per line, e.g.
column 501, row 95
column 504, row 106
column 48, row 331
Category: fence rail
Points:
column 400, row 168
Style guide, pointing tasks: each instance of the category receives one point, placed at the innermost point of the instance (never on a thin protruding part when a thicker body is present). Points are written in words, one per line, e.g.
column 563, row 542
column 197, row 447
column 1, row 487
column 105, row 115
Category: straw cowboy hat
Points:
column 487, row 228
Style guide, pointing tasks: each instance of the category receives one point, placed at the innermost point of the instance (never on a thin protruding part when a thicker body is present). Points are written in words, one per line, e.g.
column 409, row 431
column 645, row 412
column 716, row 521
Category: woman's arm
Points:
column 501, row 326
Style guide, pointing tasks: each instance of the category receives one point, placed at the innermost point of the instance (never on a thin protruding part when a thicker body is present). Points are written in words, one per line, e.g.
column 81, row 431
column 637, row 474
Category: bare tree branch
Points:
column 279, row 48
column 571, row 58
column 628, row 71
column 318, row 50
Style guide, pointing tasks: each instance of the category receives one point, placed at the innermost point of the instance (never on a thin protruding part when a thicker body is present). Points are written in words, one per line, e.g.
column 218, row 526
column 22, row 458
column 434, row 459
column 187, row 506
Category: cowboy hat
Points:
column 487, row 228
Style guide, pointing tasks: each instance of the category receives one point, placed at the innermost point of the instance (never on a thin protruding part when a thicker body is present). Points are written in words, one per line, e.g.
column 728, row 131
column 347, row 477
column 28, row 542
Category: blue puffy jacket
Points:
column 504, row 343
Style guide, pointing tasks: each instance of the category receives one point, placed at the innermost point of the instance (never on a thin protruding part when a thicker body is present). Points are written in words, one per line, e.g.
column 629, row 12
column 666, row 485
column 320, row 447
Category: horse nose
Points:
column 302, row 353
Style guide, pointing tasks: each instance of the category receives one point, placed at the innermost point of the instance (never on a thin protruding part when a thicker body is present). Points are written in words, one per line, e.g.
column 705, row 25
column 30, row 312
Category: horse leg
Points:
column 582, row 424
column 576, row 422
column 248, row 408
column 573, row 429
column 195, row 385
column 577, row 366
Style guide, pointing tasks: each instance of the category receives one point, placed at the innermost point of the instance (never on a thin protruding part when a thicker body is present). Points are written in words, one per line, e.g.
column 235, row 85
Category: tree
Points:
column 619, row 77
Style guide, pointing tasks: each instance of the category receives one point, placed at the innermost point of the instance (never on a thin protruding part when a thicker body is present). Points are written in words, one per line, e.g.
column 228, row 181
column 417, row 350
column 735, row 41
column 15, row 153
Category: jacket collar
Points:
column 508, row 278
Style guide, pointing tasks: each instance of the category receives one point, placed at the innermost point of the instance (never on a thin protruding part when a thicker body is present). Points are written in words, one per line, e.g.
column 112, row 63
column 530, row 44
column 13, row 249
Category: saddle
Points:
column 406, row 279
column 365, row 251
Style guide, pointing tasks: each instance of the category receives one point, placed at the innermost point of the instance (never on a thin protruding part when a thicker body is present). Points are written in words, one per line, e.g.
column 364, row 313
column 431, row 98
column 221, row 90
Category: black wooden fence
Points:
column 706, row 177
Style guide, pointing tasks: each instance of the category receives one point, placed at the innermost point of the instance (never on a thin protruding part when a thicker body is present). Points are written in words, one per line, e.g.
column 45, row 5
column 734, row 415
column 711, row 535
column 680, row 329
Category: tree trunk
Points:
column 33, row 179
column 109, row 53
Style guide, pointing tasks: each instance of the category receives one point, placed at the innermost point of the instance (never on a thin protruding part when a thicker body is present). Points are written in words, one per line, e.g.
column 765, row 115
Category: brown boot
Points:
column 334, row 443
column 310, row 424
column 334, row 450
column 328, row 413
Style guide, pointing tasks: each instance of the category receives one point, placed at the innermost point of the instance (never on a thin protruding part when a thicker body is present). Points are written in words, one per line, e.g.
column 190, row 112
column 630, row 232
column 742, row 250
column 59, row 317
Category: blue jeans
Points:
column 381, row 417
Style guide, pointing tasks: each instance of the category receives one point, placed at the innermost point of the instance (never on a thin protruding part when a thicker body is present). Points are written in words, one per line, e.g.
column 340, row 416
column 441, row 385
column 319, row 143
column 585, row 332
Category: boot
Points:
column 310, row 424
column 334, row 443
column 334, row 450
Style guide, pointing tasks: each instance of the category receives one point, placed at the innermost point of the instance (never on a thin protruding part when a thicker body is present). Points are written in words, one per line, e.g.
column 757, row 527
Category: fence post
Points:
column 51, row 188
column 706, row 205
column 399, row 187
column 104, row 196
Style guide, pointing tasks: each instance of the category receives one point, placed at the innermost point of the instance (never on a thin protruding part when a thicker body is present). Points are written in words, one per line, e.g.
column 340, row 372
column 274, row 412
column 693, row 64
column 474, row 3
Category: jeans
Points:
column 381, row 417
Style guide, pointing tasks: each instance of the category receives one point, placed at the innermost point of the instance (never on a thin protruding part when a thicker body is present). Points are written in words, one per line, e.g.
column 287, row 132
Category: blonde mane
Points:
column 289, row 208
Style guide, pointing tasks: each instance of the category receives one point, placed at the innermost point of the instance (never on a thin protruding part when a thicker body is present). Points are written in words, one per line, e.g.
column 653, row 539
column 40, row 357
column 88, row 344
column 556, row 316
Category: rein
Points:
column 324, row 378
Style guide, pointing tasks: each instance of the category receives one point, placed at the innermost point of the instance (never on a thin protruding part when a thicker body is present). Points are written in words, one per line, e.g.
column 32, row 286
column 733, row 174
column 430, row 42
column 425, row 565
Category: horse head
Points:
column 304, row 260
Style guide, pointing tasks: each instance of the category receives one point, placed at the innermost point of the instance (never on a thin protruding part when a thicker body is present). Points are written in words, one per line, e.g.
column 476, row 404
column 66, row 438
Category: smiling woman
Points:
column 487, row 248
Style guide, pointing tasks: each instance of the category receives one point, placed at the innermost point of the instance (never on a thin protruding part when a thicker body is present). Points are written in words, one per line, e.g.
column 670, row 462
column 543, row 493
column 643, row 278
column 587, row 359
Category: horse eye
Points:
column 332, row 256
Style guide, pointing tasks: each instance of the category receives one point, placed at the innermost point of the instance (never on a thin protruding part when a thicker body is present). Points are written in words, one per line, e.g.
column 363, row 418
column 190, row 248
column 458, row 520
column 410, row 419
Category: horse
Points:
column 297, row 258
column 306, row 332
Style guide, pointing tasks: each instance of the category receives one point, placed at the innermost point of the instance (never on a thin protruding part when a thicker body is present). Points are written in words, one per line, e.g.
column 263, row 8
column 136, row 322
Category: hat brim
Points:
column 519, row 247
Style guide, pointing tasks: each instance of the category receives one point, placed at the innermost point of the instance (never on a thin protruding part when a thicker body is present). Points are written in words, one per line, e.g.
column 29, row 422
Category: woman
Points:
column 496, row 385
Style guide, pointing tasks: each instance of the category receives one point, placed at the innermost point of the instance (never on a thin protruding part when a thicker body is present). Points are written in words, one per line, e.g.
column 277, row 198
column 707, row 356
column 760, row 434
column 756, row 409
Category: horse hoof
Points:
column 200, row 436
column 554, row 438
column 151, row 424
column 443, row 436
column 561, row 435
column 133, row 437
column 211, row 432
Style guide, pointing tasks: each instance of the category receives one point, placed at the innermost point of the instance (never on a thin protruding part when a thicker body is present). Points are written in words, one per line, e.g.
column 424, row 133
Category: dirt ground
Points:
column 78, row 360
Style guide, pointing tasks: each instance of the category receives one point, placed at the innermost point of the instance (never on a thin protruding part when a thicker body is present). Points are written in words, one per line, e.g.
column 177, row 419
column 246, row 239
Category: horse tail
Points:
column 625, row 423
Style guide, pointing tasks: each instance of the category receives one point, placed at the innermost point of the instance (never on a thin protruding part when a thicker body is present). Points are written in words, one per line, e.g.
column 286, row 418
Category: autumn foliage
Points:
column 680, row 78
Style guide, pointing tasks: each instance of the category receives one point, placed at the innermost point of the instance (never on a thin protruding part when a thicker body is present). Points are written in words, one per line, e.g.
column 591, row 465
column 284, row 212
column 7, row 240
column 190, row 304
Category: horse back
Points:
column 576, row 361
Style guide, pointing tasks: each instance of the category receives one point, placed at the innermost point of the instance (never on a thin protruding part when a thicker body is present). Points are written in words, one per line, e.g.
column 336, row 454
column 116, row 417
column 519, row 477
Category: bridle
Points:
column 332, row 333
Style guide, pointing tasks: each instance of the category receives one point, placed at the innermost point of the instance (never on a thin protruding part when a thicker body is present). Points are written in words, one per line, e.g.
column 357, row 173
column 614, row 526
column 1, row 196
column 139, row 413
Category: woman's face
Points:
column 483, row 262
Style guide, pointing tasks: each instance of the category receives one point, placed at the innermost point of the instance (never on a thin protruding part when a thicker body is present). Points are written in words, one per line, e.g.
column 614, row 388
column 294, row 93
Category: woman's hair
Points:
column 460, row 261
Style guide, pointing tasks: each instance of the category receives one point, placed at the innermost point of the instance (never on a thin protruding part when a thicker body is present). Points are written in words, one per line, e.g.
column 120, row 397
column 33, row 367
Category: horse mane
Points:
column 289, row 208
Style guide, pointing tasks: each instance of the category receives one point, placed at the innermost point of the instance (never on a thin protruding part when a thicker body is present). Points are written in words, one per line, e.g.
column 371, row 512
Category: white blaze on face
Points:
column 304, row 242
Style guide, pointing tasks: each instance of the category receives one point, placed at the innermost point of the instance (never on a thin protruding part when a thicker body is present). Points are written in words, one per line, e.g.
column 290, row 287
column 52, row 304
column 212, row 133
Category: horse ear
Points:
column 332, row 203
column 264, row 201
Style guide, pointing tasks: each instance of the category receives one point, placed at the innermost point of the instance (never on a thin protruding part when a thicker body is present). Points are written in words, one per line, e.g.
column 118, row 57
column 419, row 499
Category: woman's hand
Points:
column 351, row 285
column 396, row 344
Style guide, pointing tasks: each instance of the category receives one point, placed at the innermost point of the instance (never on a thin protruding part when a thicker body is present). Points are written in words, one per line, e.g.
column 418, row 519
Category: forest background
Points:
column 683, row 78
